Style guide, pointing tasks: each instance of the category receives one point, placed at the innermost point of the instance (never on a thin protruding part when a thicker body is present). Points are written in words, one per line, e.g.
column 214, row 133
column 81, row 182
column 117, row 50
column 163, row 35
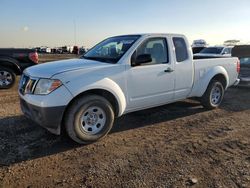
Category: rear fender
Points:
column 203, row 78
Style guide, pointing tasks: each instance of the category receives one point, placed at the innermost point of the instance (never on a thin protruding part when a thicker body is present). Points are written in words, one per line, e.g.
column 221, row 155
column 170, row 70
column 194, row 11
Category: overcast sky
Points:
column 28, row 23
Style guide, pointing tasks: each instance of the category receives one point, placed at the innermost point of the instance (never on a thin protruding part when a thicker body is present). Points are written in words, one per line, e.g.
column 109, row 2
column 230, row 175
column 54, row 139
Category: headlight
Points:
column 46, row 86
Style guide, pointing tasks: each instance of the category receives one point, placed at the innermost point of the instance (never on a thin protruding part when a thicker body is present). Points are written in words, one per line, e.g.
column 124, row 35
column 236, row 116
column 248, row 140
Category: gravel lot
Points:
column 177, row 145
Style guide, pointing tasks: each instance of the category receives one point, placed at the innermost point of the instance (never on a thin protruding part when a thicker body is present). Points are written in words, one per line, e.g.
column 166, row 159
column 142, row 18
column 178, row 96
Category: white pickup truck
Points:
column 121, row 74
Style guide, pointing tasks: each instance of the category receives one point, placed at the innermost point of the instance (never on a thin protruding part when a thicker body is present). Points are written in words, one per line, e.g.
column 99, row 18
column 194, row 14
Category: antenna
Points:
column 75, row 31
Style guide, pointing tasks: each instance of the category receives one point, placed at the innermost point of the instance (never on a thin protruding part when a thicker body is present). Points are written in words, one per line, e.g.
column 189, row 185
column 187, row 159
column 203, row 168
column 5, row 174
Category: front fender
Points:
column 103, row 84
column 203, row 78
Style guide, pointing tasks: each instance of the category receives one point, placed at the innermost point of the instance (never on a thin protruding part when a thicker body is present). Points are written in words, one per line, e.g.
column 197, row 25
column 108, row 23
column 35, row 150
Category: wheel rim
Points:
column 216, row 95
column 5, row 78
column 92, row 120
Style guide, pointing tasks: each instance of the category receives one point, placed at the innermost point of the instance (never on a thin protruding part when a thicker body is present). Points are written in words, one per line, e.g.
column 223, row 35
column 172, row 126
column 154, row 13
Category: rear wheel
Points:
column 213, row 96
column 7, row 78
column 88, row 119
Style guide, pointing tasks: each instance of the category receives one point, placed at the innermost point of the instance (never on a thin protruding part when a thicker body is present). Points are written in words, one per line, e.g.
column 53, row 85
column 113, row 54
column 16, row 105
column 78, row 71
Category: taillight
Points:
column 238, row 66
column 33, row 57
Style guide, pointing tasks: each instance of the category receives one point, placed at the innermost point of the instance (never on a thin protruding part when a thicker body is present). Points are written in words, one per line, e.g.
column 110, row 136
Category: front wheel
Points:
column 89, row 118
column 7, row 78
column 213, row 96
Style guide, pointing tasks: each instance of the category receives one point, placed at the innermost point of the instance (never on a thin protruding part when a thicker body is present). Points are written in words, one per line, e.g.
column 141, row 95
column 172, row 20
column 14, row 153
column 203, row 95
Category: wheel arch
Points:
column 221, row 78
column 218, row 73
column 10, row 64
column 100, row 92
column 105, row 87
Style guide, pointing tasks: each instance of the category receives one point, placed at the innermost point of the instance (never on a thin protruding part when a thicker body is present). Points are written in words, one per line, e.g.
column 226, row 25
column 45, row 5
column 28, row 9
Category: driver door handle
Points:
column 169, row 70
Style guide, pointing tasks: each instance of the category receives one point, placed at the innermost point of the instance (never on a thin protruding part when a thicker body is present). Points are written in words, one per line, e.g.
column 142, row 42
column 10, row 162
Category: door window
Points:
column 157, row 48
column 180, row 49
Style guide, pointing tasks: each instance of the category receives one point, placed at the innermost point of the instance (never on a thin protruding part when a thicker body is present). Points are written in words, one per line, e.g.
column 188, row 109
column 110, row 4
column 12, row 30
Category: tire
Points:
column 213, row 96
column 7, row 78
column 89, row 119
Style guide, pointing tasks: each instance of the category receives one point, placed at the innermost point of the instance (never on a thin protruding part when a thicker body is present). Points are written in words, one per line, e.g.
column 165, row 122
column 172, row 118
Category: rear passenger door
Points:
column 184, row 71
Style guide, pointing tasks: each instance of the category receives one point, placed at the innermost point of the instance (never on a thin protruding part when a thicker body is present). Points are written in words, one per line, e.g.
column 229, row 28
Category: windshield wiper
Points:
column 105, row 60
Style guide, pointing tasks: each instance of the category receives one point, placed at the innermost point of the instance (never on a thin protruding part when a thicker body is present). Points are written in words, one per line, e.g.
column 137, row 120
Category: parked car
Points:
column 56, row 50
column 13, row 62
column 59, row 50
column 65, row 49
column 75, row 50
column 38, row 49
column 122, row 74
column 45, row 50
column 243, row 53
column 214, row 52
column 199, row 43
column 82, row 50
column 197, row 50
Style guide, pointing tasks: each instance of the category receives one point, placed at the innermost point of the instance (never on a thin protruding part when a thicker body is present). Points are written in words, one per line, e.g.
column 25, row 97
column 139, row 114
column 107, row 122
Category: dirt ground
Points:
column 166, row 146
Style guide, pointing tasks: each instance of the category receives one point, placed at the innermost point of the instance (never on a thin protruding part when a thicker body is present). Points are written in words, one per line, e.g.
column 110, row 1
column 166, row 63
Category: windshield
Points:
column 111, row 49
column 212, row 50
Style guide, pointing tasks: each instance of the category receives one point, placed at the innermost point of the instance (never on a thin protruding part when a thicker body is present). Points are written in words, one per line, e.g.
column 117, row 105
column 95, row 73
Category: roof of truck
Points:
column 150, row 34
column 241, row 51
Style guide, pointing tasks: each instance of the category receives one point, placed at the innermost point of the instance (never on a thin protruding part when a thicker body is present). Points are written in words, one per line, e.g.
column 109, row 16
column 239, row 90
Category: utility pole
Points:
column 75, row 31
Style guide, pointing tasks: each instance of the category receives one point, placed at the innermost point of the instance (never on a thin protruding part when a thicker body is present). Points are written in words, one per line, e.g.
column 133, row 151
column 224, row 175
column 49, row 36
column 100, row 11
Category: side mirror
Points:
column 141, row 59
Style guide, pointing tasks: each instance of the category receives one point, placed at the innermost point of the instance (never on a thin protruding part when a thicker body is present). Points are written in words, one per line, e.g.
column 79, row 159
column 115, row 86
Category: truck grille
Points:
column 245, row 72
column 26, row 85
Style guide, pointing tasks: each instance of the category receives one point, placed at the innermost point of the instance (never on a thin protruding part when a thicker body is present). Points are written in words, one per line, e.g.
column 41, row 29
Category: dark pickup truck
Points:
column 12, row 62
column 243, row 53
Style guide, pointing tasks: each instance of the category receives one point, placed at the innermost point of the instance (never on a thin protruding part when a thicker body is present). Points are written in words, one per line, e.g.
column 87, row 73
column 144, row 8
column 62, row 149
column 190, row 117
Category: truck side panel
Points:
column 206, row 69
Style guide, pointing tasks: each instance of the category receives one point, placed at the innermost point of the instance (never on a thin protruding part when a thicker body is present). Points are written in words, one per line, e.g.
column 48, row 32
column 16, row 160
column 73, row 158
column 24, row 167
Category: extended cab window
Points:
column 157, row 48
column 180, row 49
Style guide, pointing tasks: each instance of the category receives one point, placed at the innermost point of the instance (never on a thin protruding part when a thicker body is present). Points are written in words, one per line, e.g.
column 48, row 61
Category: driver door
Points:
column 151, row 84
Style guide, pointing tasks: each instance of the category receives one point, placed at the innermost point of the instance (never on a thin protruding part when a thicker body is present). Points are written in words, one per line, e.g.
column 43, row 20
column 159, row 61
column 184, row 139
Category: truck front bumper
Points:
column 46, row 110
column 47, row 117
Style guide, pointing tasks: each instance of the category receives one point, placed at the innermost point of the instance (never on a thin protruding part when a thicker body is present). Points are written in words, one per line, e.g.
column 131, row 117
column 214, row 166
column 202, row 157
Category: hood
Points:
column 47, row 70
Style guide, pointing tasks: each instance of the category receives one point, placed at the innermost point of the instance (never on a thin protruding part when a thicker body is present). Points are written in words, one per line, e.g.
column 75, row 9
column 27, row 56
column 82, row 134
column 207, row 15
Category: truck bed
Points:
column 204, row 67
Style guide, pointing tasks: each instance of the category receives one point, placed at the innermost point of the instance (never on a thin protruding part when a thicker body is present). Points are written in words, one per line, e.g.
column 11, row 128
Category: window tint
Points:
column 212, row 50
column 180, row 49
column 245, row 61
column 157, row 48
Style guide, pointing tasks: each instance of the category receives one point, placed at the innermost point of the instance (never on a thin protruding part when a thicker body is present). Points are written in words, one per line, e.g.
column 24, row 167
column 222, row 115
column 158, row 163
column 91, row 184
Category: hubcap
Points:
column 5, row 78
column 93, row 120
column 216, row 95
